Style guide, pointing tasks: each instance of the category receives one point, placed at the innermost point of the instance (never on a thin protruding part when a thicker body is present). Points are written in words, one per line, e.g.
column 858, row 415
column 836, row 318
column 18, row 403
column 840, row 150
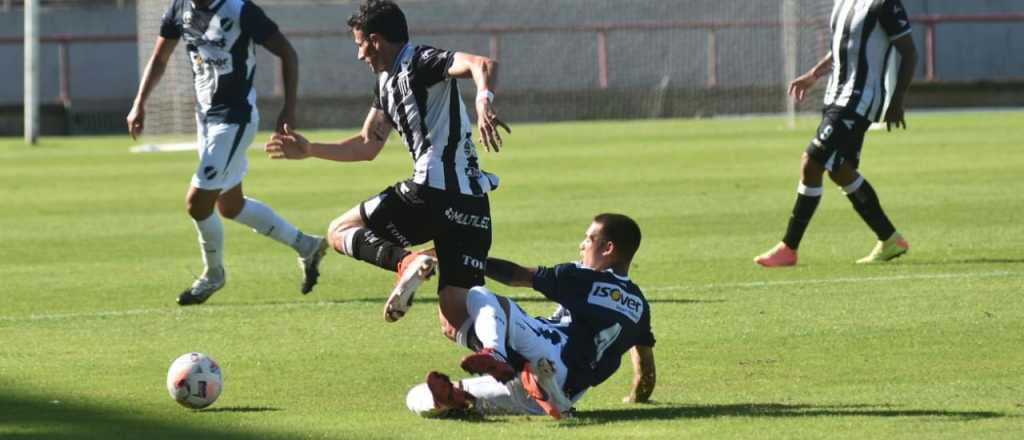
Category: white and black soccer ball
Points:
column 195, row 380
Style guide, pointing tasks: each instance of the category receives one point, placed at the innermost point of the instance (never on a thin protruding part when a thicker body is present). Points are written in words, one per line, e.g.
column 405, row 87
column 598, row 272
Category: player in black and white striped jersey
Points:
column 870, row 38
column 446, row 200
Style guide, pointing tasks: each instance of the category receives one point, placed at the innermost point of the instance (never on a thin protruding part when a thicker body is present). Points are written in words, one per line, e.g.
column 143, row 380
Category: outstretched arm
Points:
column 798, row 87
column 484, row 72
column 643, row 374
column 278, row 45
column 364, row 146
column 150, row 78
column 509, row 273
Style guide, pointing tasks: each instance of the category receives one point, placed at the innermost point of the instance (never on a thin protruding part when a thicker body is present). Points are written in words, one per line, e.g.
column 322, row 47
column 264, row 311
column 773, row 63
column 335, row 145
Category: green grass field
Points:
column 96, row 245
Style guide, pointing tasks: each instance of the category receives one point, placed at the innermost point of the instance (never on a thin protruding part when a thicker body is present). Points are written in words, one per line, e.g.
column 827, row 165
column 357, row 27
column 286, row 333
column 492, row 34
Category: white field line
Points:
column 845, row 280
column 684, row 288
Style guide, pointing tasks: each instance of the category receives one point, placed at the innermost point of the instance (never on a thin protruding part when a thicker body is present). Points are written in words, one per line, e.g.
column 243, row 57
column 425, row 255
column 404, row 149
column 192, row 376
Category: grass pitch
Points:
column 96, row 245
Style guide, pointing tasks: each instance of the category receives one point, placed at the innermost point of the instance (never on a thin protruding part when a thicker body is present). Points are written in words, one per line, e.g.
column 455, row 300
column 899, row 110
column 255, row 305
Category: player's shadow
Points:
column 432, row 299
column 241, row 409
column 660, row 411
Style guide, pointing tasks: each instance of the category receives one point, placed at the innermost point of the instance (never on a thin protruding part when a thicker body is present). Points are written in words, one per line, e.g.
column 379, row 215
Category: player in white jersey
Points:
column 544, row 365
column 220, row 38
column 446, row 200
column 870, row 40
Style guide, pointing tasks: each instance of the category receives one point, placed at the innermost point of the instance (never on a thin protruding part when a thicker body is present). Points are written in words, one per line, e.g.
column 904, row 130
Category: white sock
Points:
column 262, row 218
column 211, row 241
column 489, row 320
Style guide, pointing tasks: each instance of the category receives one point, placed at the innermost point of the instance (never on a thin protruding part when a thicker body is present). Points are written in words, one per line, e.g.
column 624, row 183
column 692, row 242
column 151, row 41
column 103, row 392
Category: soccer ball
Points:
column 195, row 380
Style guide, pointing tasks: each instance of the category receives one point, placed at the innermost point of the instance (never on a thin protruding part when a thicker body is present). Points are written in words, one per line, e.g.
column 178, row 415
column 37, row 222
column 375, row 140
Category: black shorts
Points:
column 409, row 214
column 839, row 139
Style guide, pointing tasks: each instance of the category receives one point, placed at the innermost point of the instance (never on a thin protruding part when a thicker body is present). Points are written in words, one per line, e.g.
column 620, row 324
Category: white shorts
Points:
column 222, row 147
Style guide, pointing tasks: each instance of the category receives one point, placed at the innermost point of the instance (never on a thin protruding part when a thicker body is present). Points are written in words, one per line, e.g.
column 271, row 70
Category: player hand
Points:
column 488, row 123
column 894, row 116
column 287, row 145
column 799, row 87
column 286, row 118
column 136, row 121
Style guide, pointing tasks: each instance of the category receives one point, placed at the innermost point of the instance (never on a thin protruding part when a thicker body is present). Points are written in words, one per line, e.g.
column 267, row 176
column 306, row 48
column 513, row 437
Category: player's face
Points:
column 366, row 51
column 594, row 248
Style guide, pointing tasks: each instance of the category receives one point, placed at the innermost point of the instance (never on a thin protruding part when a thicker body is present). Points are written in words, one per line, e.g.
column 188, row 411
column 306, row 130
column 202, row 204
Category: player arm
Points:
column 644, row 376
column 798, row 87
column 908, row 64
column 279, row 45
column 823, row 67
column 364, row 146
column 484, row 72
column 509, row 273
column 150, row 78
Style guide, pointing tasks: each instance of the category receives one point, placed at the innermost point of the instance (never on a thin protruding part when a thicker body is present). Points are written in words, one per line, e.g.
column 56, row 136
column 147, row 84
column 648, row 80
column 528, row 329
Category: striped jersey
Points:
column 423, row 103
column 219, row 44
column 862, row 53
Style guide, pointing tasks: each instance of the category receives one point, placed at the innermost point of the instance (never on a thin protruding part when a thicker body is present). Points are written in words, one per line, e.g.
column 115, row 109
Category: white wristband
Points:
column 485, row 94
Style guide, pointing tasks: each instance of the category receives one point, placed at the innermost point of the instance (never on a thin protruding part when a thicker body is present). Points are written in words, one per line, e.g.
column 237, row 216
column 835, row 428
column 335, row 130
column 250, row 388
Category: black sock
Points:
column 375, row 250
column 865, row 201
column 803, row 210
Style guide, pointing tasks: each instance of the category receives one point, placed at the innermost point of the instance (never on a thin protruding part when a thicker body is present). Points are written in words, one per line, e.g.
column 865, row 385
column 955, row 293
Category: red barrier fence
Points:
column 600, row 30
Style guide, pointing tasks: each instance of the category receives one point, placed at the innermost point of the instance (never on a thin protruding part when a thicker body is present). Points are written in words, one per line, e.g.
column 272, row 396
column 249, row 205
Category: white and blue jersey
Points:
column 219, row 43
column 608, row 316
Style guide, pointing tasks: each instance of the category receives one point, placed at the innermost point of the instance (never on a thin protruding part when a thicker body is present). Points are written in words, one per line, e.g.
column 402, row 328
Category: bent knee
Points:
column 843, row 176
column 228, row 211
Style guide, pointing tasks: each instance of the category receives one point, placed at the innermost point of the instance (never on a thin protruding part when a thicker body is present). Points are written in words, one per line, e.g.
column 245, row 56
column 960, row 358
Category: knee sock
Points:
column 262, row 218
column 364, row 245
column 211, row 241
column 489, row 319
column 807, row 199
column 865, row 202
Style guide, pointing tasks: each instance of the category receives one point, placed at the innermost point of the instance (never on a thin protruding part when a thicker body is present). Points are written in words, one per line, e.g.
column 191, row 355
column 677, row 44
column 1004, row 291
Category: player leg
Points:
column 862, row 196
column 379, row 230
column 488, row 316
column 816, row 158
column 531, row 343
column 440, row 397
column 233, row 204
column 214, row 146
column 462, row 245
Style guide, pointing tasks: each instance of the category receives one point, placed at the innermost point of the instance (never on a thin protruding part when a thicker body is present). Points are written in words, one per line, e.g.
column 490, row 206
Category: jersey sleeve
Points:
column 894, row 20
column 430, row 66
column 170, row 28
column 646, row 337
column 548, row 279
column 256, row 23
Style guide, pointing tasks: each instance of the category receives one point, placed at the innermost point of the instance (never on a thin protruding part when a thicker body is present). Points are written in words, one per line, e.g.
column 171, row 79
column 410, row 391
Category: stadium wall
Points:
column 105, row 75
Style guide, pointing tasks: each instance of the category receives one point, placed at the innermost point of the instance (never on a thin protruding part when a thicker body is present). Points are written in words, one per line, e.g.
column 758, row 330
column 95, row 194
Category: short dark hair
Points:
column 621, row 230
column 382, row 17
